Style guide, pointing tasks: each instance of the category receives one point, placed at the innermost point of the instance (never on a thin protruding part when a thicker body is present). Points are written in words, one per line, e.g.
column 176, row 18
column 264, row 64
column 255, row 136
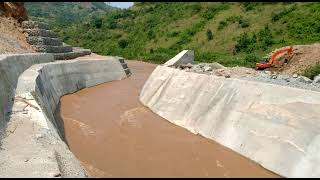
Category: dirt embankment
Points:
column 12, row 39
column 15, row 10
column 305, row 56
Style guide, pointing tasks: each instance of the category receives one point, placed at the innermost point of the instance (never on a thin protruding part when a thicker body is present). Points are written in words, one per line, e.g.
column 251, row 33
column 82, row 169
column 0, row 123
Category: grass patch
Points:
column 311, row 72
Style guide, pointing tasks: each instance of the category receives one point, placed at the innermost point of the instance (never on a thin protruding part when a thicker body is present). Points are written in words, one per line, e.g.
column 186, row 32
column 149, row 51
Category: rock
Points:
column 287, row 79
column 274, row 76
column 38, row 136
column 207, row 68
column 268, row 72
column 218, row 74
column 264, row 75
column 248, row 72
column 316, row 79
column 295, row 75
column 189, row 65
column 216, row 66
column 57, row 175
column 196, row 69
column 304, row 79
column 227, row 76
column 220, row 70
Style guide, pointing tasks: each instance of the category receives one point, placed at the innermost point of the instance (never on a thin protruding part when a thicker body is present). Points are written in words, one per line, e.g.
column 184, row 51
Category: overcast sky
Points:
column 120, row 4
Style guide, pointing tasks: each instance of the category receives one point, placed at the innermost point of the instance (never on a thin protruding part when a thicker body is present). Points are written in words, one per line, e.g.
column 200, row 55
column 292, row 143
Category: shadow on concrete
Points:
column 60, row 123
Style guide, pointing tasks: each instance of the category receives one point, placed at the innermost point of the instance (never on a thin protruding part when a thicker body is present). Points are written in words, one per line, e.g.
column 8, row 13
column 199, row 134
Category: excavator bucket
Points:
column 263, row 65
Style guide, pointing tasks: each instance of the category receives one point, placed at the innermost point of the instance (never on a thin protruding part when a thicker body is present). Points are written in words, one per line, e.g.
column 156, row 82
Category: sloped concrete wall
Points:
column 11, row 66
column 32, row 146
column 48, row 82
column 276, row 126
column 184, row 57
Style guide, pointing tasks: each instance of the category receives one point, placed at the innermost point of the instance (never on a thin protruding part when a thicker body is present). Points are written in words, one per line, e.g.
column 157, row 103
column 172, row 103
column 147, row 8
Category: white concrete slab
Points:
column 184, row 57
column 276, row 126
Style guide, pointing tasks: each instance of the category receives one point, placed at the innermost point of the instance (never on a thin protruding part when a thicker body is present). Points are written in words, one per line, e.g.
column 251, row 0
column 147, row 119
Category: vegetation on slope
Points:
column 228, row 33
column 61, row 14
column 313, row 71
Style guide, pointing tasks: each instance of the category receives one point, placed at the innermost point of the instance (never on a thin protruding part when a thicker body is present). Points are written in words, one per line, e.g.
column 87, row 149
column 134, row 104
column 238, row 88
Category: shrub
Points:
column 233, row 19
column 196, row 7
column 242, row 43
column 172, row 34
column 123, row 43
column 112, row 24
column 243, row 23
column 248, row 6
column 151, row 35
column 209, row 35
column 251, row 58
column 186, row 35
column 311, row 72
column 281, row 14
column 222, row 24
column 210, row 12
column 98, row 23
column 265, row 37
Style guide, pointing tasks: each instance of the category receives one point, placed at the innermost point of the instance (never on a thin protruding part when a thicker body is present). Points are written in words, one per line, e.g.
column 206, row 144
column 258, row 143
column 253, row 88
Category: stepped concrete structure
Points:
column 31, row 139
column 42, row 39
column 124, row 66
column 273, row 125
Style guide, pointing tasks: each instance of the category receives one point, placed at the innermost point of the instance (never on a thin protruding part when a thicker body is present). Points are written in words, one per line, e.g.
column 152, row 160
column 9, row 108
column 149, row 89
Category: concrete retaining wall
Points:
column 11, row 66
column 48, row 82
column 32, row 146
column 276, row 126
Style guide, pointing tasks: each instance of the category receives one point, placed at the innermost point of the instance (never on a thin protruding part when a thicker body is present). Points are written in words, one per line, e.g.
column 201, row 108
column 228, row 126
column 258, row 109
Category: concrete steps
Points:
column 125, row 66
column 52, row 49
column 71, row 55
column 34, row 25
column 38, row 40
column 41, row 32
column 42, row 39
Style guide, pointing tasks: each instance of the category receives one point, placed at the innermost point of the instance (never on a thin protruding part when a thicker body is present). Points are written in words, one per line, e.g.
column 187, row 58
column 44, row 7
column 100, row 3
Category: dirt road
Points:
column 114, row 135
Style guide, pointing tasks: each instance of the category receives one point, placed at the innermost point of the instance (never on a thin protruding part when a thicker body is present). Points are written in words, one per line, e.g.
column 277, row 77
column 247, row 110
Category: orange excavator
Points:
column 270, row 61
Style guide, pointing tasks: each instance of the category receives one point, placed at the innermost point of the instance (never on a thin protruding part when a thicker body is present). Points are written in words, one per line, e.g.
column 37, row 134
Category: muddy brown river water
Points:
column 114, row 135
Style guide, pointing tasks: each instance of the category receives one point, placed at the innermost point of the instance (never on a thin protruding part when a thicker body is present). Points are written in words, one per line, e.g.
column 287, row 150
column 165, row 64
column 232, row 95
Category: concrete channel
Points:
column 114, row 135
column 31, row 87
column 87, row 117
column 273, row 125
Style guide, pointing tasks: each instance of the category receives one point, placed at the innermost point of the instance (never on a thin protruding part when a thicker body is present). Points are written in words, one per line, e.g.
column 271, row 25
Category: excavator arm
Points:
column 271, row 60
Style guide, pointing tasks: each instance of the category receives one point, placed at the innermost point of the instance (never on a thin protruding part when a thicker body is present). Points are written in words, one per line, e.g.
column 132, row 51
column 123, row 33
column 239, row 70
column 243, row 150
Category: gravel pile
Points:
column 287, row 80
column 253, row 75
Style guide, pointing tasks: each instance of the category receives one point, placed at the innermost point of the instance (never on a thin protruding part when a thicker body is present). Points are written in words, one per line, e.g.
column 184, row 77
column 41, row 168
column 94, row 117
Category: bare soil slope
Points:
column 12, row 39
column 305, row 56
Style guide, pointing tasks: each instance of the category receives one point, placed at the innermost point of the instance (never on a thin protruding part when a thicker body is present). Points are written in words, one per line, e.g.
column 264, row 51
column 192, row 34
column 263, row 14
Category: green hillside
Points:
column 62, row 14
column 228, row 33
